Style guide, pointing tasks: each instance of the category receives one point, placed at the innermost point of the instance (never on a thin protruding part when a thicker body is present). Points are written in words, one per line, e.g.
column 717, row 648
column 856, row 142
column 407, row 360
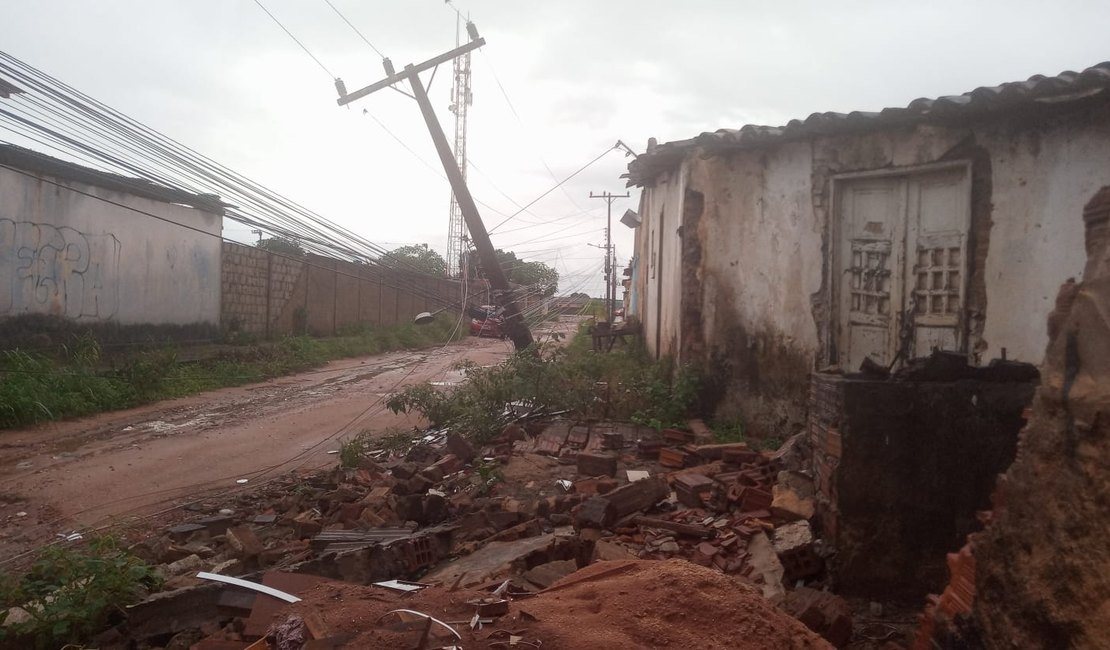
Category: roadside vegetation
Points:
column 70, row 594
column 625, row 384
column 81, row 379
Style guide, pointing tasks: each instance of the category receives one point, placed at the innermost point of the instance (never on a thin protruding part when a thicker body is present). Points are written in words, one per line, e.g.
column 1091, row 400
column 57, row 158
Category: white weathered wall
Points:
column 661, row 287
column 761, row 244
column 75, row 256
column 1041, row 183
column 762, row 232
column 762, row 236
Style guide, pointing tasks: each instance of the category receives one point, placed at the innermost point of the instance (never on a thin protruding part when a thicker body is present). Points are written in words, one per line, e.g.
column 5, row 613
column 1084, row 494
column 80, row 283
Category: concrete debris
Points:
column 428, row 515
column 290, row 634
column 766, row 569
column 824, row 613
column 545, row 575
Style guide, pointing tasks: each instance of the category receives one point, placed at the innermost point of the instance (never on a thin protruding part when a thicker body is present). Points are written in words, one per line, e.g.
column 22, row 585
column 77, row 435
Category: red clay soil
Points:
column 611, row 605
column 664, row 604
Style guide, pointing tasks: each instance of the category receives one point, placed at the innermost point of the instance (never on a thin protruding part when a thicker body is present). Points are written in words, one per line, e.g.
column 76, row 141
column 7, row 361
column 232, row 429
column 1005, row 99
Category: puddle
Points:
column 161, row 426
column 450, row 378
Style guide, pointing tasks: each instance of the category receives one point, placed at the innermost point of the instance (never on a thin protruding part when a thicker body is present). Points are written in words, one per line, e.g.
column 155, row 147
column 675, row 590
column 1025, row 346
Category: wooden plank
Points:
column 316, row 625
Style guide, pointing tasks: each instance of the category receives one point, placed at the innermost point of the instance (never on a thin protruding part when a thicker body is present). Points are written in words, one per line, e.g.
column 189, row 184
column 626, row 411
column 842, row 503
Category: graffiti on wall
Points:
column 57, row 270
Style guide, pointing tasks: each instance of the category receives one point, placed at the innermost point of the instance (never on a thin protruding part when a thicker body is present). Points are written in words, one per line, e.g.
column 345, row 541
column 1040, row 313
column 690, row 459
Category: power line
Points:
column 424, row 162
column 520, row 121
column 557, row 186
column 360, row 34
column 127, row 138
column 412, row 288
column 295, row 40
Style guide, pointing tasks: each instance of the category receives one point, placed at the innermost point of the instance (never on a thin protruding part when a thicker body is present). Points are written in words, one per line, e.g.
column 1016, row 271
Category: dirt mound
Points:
column 664, row 604
column 612, row 605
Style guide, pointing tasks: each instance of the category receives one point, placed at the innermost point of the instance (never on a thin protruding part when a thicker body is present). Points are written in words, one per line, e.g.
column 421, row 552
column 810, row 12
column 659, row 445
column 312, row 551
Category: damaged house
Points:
column 781, row 259
column 769, row 252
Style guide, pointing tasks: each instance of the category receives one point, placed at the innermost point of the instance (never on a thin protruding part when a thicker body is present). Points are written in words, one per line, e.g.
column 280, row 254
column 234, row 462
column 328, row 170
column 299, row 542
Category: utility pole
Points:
column 610, row 280
column 515, row 326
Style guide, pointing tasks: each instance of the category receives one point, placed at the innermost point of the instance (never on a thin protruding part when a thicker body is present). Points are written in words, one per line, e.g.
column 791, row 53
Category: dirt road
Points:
column 82, row 472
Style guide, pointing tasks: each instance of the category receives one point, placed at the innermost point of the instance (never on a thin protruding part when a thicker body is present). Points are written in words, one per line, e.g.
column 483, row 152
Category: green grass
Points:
column 36, row 387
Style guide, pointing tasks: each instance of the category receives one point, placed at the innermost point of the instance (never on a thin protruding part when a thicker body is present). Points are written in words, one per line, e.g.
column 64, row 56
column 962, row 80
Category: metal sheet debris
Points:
column 246, row 584
column 401, row 585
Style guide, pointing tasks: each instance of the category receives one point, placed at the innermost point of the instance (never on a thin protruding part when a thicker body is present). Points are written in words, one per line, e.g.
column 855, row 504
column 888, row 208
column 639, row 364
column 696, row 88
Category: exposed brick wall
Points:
column 272, row 295
column 902, row 466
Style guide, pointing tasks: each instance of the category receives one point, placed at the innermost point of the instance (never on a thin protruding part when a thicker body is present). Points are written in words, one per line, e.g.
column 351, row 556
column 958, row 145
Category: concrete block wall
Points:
column 243, row 284
column 270, row 295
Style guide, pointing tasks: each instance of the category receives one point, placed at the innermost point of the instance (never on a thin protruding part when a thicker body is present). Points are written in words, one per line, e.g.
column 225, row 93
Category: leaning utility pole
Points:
column 610, row 280
column 515, row 326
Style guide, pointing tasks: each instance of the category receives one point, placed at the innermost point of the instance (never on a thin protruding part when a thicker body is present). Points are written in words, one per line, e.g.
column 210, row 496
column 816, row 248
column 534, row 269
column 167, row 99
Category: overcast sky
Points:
column 221, row 77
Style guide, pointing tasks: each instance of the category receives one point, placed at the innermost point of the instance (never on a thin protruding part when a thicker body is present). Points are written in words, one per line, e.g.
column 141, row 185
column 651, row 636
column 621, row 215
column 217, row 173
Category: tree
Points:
column 283, row 245
column 416, row 257
column 517, row 271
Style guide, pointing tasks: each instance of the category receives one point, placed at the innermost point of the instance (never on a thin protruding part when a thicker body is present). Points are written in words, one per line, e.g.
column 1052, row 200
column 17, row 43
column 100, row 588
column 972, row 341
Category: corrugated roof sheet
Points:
column 1038, row 89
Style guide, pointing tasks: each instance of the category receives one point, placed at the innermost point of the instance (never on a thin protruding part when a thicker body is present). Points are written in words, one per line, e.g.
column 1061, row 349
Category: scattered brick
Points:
column 597, row 464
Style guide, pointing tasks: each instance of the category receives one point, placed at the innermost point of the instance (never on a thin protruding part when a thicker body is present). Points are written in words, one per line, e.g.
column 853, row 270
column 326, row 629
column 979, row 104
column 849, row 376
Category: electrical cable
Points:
column 426, row 296
column 163, row 148
column 360, row 34
column 295, row 40
column 557, row 186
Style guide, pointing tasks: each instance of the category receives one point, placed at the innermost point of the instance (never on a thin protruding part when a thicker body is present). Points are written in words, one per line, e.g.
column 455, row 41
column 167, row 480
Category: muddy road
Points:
column 86, row 472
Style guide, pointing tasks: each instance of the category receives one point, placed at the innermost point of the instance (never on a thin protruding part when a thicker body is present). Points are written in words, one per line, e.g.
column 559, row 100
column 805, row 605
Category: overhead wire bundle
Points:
column 50, row 113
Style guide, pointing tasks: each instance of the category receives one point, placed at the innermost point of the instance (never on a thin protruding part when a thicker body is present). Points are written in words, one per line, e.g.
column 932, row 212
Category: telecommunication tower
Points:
column 461, row 99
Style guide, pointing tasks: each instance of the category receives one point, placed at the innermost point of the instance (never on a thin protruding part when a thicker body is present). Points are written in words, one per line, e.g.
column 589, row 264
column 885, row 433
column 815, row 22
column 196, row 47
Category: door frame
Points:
column 833, row 232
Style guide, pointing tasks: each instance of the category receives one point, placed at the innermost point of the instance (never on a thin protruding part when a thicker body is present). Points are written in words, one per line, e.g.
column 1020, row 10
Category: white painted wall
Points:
column 75, row 256
column 761, row 244
column 1041, row 184
column 762, row 228
column 661, row 214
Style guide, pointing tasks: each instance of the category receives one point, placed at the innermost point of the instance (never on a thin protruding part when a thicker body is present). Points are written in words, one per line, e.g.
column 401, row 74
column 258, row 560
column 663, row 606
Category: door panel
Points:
column 936, row 239
column 901, row 263
column 870, row 285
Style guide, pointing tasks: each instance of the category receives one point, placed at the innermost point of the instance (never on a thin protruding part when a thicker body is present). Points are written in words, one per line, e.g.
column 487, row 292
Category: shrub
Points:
column 623, row 384
column 70, row 594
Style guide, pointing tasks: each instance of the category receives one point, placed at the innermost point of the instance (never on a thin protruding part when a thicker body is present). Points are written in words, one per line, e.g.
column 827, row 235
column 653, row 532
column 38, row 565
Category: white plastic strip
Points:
column 253, row 586
column 432, row 618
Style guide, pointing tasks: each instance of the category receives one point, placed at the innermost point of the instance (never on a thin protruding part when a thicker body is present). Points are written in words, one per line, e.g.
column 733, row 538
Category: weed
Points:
column 351, row 451
column 396, row 441
column 489, row 473
column 771, row 443
column 728, row 430
column 69, row 594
